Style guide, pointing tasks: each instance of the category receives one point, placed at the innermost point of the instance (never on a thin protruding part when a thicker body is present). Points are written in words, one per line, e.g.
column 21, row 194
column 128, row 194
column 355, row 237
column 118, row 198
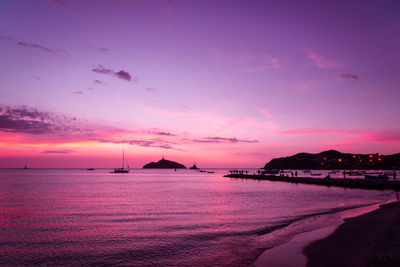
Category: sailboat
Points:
column 121, row 170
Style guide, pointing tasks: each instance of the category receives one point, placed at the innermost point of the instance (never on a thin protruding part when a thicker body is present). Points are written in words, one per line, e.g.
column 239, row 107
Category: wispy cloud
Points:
column 139, row 142
column 265, row 112
column 212, row 122
column 99, row 82
column 169, row 16
column 66, row 7
column 246, row 61
column 316, row 131
column 349, row 76
column 124, row 75
column 104, row 49
column 43, row 48
column 34, row 46
column 6, row 38
column 321, row 61
column 60, row 151
column 372, row 136
column 386, row 136
column 340, row 147
column 164, row 133
column 77, row 92
column 218, row 139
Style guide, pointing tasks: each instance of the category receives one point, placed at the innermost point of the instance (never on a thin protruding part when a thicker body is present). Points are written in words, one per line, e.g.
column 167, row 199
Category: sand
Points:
column 291, row 254
column 372, row 239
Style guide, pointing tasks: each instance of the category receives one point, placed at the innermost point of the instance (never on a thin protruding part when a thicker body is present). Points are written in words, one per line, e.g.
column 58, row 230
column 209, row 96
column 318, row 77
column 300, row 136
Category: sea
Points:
column 148, row 217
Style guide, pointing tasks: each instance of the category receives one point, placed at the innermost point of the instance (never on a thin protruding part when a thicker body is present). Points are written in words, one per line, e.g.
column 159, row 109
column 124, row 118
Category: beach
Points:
column 372, row 239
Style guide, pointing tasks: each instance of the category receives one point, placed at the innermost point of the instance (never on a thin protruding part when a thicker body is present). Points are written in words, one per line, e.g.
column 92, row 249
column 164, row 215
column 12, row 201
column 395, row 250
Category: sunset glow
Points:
column 219, row 83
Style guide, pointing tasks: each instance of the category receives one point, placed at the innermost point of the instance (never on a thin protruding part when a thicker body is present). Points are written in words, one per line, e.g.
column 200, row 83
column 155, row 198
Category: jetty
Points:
column 373, row 184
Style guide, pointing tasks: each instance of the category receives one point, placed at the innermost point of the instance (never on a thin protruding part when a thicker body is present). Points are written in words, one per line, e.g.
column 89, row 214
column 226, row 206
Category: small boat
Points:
column 354, row 173
column 272, row 171
column 90, row 169
column 194, row 167
column 25, row 168
column 377, row 177
column 373, row 173
column 210, row 172
column 121, row 170
column 202, row 171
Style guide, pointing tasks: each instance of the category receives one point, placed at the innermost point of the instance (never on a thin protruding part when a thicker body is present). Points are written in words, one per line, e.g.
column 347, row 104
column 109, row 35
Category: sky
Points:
column 216, row 83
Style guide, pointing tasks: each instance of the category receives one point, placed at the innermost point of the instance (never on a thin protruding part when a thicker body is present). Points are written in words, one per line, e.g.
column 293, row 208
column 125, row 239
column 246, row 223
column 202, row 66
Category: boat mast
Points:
column 123, row 155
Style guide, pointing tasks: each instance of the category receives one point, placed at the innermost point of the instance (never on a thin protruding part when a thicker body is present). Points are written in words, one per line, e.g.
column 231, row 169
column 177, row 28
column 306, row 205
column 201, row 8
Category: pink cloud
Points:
column 392, row 136
column 245, row 61
column 217, row 139
column 265, row 112
column 320, row 61
column 214, row 122
column 316, row 131
column 340, row 147
column 169, row 16
column 360, row 136
column 29, row 126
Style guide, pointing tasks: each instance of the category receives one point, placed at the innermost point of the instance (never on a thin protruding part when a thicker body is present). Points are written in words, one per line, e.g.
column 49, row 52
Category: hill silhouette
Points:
column 335, row 160
column 164, row 164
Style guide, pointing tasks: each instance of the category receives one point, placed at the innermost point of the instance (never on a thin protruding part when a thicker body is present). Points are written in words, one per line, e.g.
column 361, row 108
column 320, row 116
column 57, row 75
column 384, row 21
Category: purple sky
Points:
column 220, row 83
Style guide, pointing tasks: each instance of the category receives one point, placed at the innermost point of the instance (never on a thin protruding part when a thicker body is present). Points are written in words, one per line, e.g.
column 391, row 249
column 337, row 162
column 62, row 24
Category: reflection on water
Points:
column 155, row 217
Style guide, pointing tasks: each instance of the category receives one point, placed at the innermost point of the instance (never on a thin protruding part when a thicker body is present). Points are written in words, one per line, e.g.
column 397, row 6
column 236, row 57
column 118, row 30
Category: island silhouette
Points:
column 164, row 164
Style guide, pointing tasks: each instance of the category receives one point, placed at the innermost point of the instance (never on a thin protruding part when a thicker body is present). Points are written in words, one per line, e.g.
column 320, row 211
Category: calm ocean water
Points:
column 157, row 217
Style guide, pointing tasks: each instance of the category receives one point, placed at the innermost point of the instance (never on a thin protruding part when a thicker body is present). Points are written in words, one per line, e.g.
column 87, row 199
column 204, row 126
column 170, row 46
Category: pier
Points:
column 372, row 184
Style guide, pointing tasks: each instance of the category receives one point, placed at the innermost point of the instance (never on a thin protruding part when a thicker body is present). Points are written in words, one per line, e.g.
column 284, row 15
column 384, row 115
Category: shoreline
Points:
column 372, row 239
column 290, row 254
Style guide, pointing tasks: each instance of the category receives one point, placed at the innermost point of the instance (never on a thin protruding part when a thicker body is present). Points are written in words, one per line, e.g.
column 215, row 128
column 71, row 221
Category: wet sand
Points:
column 372, row 239
column 290, row 254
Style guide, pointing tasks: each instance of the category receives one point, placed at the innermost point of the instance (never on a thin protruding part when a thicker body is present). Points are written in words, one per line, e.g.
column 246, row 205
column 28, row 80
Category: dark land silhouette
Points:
column 164, row 164
column 335, row 160
column 372, row 239
column 194, row 167
column 373, row 184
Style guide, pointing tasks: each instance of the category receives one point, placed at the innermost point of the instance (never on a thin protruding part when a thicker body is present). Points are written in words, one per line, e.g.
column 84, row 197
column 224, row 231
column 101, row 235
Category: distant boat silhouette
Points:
column 194, row 167
column 25, row 168
column 90, row 169
column 121, row 170
column 381, row 176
